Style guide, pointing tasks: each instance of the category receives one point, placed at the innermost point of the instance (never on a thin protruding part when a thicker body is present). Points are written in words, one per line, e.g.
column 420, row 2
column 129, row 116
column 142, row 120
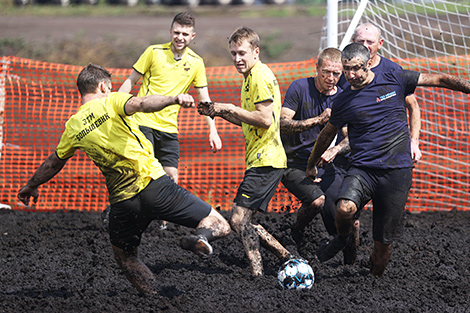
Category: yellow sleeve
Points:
column 145, row 61
column 65, row 148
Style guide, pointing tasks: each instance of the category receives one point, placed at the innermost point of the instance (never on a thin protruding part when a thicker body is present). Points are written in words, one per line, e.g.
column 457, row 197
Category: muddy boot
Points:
column 350, row 251
column 379, row 258
column 197, row 244
column 332, row 247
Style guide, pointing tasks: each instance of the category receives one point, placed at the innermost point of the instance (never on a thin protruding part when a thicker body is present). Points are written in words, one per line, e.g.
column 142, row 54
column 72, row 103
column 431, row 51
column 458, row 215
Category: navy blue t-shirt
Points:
column 377, row 122
column 384, row 66
column 304, row 98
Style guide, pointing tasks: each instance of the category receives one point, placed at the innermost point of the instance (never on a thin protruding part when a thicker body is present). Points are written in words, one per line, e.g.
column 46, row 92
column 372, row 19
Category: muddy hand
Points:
column 206, row 108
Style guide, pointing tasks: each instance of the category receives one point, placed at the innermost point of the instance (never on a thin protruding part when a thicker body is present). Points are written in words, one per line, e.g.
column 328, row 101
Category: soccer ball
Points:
column 296, row 274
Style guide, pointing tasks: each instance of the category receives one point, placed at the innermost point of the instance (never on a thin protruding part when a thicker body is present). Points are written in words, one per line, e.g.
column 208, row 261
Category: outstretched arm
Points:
column 214, row 139
column 48, row 169
column 290, row 126
column 156, row 103
column 261, row 117
column 444, row 81
column 130, row 82
column 323, row 142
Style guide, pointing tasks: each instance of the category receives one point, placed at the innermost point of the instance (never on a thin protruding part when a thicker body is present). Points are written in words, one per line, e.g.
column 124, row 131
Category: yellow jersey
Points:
column 164, row 75
column 263, row 147
column 112, row 140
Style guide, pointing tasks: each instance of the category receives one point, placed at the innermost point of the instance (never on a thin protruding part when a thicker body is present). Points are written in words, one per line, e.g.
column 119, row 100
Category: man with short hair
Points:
column 373, row 107
column 265, row 158
column 370, row 36
column 139, row 189
column 170, row 69
column 306, row 108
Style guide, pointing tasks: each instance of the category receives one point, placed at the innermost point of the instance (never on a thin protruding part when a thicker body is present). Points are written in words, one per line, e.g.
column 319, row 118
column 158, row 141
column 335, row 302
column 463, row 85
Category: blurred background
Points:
column 114, row 33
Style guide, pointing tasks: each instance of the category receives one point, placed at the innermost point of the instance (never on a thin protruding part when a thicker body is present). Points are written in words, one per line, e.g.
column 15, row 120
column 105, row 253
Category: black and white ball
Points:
column 296, row 274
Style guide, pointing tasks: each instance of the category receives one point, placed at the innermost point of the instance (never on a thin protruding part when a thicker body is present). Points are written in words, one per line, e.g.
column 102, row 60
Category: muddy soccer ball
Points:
column 296, row 274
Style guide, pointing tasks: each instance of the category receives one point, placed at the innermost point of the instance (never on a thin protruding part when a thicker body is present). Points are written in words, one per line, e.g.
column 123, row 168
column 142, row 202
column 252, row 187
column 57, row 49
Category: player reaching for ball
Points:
column 139, row 189
column 264, row 155
column 373, row 107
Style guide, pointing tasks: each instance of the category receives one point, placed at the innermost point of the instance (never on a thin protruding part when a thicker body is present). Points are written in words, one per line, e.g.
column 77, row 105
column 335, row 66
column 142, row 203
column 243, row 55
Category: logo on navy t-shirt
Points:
column 387, row 96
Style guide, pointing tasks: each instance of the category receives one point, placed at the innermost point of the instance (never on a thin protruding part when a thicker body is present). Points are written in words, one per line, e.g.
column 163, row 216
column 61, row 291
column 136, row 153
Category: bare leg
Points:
column 305, row 215
column 215, row 224
column 344, row 220
column 379, row 258
column 210, row 228
column 350, row 251
column 135, row 270
column 269, row 242
column 241, row 222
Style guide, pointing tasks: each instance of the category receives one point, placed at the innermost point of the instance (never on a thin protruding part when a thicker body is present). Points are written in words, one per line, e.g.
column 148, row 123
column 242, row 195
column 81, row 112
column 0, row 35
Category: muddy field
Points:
column 62, row 262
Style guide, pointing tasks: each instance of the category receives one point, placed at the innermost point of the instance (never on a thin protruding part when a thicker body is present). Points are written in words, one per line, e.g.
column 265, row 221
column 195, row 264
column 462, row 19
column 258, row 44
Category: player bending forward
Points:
column 374, row 109
column 139, row 190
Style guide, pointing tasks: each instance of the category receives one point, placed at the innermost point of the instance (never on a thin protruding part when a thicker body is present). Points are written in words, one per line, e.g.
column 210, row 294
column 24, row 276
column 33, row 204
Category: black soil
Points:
column 62, row 262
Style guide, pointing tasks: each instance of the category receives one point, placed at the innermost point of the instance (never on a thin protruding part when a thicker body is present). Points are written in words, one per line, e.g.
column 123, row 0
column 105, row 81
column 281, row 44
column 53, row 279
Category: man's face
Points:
column 244, row 57
column 328, row 75
column 181, row 36
column 356, row 71
column 369, row 37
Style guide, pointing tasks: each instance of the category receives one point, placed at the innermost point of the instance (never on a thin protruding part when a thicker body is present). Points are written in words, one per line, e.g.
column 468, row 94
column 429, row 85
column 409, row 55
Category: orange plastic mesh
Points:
column 39, row 97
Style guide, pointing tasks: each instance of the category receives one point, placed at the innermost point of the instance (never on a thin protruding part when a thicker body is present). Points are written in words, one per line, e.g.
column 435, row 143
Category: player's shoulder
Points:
column 387, row 65
column 194, row 55
column 262, row 70
column 158, row 48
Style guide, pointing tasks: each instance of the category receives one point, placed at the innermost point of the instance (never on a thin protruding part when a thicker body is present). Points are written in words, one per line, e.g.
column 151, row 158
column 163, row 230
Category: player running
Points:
column 265, row 158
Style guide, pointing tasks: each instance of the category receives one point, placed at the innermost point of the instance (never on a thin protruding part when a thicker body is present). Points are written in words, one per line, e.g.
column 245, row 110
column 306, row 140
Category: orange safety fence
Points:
column 37, row 98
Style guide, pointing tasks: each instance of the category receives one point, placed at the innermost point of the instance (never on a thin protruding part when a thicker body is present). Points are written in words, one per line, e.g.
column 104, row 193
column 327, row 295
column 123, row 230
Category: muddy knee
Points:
column 344, row 217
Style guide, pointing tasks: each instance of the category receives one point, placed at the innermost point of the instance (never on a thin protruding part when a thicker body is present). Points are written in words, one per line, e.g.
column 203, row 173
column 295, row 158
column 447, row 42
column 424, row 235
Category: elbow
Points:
column 265, row 123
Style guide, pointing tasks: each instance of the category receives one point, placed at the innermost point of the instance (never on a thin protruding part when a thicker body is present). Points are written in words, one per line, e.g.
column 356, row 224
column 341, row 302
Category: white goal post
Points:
column 426, row 36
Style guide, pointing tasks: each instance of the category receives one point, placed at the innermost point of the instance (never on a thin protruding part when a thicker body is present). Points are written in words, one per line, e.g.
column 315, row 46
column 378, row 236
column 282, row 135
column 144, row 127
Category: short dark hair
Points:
column 244, row 33
column 185, row 19
column 90, row 77
column 356, row 50
column 332, row 54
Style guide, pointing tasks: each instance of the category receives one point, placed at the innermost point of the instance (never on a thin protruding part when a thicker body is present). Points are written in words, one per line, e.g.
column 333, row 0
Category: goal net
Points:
column 429, row 37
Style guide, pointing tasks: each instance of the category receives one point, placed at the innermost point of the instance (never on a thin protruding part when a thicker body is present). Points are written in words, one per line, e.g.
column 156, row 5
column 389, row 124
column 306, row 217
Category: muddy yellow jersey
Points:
column 112, row 140
column 263, row 147
column 164, row 75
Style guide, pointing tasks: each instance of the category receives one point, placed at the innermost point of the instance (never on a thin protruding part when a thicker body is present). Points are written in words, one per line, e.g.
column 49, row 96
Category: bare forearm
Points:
column 445, row 81
column 47, row 170
column 414, row 113
column 322, row 143
column 237, row 115
column 156, row 103
column 343, row 146
column 290, row 126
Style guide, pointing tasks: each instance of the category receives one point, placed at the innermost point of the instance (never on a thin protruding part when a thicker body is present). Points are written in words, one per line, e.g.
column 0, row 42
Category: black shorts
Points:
column 332, row 176
column 258, row 187
column 162, row 199
column 388, row 189
column 296, row 181
column 165, row 145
